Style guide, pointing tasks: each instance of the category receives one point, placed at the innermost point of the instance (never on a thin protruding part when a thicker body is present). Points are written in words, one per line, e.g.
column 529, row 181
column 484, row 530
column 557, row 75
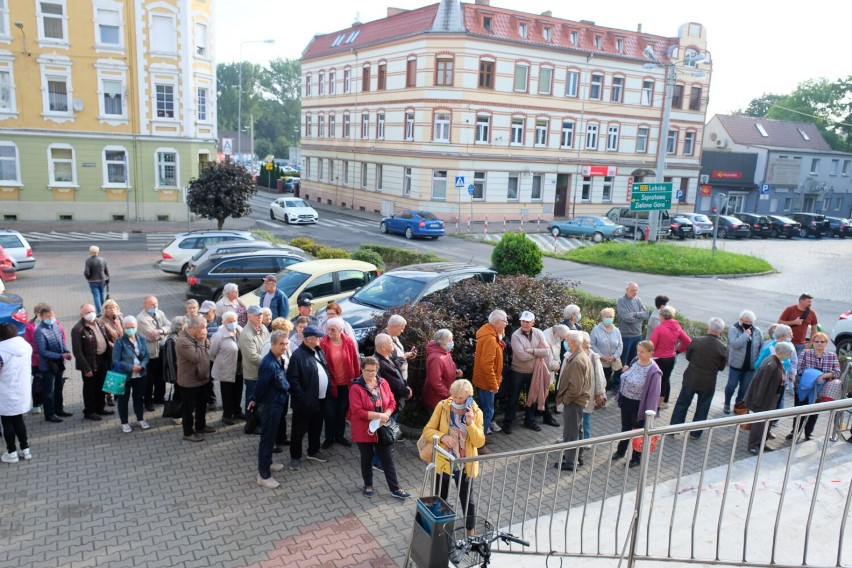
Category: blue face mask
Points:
column 232, row 326
column 49, row 321
column 449, row 345
column 131, row 331
column 608, row 321
column 788, row 340
column 565, row 345
column 152, row 311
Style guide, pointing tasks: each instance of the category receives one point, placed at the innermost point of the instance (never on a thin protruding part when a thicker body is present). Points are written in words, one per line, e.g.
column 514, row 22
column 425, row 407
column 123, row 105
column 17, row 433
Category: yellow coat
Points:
column 440, row 424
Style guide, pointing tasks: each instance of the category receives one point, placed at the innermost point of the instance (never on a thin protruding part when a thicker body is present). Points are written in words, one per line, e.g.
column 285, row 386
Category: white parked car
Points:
column 841, row 335
column 292, row 210
column 178, row 253
column 18, row 249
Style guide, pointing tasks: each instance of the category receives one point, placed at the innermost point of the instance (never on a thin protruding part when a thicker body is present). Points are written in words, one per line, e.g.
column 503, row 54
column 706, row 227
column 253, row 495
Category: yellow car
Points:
column 326, row 280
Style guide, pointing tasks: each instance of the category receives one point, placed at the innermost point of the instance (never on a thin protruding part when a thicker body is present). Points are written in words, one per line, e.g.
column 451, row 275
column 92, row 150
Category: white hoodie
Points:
column 15, row 377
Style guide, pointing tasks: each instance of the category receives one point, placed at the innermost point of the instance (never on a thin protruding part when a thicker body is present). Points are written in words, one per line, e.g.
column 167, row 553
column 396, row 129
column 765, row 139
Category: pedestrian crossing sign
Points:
column 459, row 182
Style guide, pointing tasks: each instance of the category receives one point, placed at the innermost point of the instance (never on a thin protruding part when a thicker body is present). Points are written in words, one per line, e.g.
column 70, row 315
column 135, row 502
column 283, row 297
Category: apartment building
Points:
column 107, row 108
column 471, row 110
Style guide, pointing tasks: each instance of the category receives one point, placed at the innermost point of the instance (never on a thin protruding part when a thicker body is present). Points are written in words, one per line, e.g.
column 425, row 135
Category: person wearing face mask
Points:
column 130, row 356
column 92, row 356
column 745, row 340
column 441, row 371
column 154, row 326
column 224, row 352
column 606, row 341
column 763, row 392
column 52, row 355
column 571, row 317
column 193, row 375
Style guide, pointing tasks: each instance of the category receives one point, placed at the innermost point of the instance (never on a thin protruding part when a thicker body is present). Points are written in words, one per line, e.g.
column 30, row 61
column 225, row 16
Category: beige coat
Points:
column 251, row 343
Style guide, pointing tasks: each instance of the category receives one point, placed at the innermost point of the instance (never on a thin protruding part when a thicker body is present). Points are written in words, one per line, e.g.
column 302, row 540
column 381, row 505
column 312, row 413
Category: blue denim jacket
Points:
column 123, row 355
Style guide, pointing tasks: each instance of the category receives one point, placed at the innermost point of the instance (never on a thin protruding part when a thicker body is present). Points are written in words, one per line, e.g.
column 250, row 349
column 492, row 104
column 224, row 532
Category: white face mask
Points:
column 90, row 316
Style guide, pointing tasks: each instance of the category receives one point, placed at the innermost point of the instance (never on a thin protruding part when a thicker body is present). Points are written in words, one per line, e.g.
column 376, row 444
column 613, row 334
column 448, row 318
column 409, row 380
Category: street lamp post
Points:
column 240, row 96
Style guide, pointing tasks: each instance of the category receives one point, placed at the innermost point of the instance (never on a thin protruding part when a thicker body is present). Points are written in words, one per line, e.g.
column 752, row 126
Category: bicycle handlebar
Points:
column 506, row 537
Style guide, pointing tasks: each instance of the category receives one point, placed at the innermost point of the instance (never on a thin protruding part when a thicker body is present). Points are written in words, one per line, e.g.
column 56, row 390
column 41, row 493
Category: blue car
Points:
column 592, row 227
column 413, row 224
column 12, row 311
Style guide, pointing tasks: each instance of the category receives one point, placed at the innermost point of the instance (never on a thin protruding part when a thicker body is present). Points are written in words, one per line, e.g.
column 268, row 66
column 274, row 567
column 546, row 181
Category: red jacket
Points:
column 352, row 361
column 440, row 374
column 669, row 337
column 360, row 403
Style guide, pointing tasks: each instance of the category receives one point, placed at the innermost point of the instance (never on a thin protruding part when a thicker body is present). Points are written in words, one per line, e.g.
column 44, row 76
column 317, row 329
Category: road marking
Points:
column 269, row 223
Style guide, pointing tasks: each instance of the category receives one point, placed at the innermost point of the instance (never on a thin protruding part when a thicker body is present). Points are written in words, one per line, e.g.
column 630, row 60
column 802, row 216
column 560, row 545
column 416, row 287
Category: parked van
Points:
column 637, row 221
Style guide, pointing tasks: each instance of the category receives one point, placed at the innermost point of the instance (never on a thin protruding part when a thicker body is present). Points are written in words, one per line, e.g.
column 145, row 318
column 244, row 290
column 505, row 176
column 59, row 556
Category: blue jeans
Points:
column 98, row 294
column 684, row 399
column 270, row 419
column 52, row 382
column 737, row 380
column 486, row 405
column 629, row 350
column 587, row 425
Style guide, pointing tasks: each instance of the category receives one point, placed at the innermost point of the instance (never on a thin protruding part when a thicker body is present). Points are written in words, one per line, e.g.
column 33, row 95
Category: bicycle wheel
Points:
column 468, row 550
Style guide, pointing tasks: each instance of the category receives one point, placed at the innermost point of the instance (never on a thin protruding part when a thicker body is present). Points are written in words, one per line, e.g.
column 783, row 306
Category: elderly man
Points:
column 745, row 341
column 488, row 365
column 310, row 389
column 631, row 313
column 799, row 317
column 193, row 376
column 274, row 299
column 191, row 309
column 251, row 341
column 396, row 325
column 153, row 325
column 92, row 356
column 97, row 275
column 572, row 391
column 529, row 346
column 207, row 310
column 305, row 307
column 271, row 400
column 707, row 357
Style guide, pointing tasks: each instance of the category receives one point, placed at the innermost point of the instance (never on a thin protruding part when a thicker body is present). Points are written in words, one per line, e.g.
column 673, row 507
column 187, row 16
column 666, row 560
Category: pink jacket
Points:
column 669, row 339
column 360, row 404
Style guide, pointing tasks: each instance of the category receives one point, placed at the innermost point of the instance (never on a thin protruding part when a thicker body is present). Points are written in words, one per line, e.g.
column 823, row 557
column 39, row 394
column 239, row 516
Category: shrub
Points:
column 310, row 246
column 331, row 252
column 266, row 236
column 371, row 256
column 517, row 254
column 396, row 256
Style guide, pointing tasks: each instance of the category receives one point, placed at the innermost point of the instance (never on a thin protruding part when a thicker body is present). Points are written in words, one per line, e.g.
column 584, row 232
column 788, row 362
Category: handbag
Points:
column 739, row 410
column 639, row 441
column 615, row 365
column 172, row 408
column 114, row 382
column 385, row 435
column 425, row 448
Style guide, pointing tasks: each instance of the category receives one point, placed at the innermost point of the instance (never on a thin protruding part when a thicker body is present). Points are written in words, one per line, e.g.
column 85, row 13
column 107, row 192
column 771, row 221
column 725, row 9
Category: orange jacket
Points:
column 488, row 362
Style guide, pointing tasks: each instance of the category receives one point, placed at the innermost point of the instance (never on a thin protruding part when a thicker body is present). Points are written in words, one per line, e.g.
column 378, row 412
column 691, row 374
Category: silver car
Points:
column 179, row 252
column 702, row 225
column 18, row 248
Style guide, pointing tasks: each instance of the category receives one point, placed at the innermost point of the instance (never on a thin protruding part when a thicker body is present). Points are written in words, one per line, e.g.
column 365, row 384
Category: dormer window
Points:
column 486, row 23
column 598, row 42
column 573, row 37
column 547, row 34
column 338, row 40
column 804, row 134
column 522, row 31
column 619, row 45
column 353, row 36
column 762, row 130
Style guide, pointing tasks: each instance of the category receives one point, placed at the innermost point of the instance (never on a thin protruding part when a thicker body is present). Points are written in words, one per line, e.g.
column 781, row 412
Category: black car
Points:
column 681, row 227
column 732, row 227
column 840, row 227
column 813, row 224
column 760, row 225
column 401, row 286
column 782, row 226
column 245, row 269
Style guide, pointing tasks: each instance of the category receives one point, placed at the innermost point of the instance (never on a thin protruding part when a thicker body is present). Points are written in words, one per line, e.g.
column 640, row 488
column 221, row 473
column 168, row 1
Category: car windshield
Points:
column 389, row 291
column 288, row 282
column 427, row 215
column 701, row 219
column 295, row 203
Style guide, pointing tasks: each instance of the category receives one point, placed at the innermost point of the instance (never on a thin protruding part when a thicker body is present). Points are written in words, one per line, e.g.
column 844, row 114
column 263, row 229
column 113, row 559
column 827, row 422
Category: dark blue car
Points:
column 413, row 224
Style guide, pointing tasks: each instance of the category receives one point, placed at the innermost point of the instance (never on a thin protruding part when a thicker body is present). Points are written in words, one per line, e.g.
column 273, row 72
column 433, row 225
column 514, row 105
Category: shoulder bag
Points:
column 114, row 382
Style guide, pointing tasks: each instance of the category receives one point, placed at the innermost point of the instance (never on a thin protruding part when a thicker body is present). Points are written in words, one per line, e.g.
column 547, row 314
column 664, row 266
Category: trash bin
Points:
column 428, row 537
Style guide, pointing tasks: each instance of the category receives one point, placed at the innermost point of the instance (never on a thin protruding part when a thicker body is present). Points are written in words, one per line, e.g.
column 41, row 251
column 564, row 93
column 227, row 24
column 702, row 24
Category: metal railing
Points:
column 701, row 497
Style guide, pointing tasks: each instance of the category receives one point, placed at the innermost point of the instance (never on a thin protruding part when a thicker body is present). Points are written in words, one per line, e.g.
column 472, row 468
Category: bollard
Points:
column 468, row 224
column 538, row 224
column 457, row 224
column 486, row 225
column 555, row 246
column 504, row 223
column 521, row 229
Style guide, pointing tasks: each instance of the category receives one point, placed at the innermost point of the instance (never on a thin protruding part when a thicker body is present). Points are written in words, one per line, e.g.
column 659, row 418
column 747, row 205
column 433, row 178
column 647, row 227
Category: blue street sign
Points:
column 459, row 182
column 679, row 195
column 470, row 189
column 764, row 190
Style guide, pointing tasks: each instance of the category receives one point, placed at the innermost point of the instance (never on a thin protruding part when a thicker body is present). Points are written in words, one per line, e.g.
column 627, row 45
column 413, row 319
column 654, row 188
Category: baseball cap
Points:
column 304, row 301
column 312, row 331
column 254, row 310
column 206, row 306
column 270, row 278
column 527, row 316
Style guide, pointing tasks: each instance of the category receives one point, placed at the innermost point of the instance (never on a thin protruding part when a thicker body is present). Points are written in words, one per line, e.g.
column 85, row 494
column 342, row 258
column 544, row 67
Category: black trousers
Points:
column 629, row 421
column 803, row 422
column 335, row 415
column 385, row 458
column 666, row 365
column 155, row 387
column 194, row 402
column 93, row 395
column 14, row 427
column 310, row 423
column 517, row 383
column 465, row 487
column 232, row 394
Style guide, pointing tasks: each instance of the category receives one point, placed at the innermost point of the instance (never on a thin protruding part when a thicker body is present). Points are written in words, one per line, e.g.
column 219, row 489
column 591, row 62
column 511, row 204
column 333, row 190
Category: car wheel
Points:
column 681, row 236
column 286, row 218
column 555, row 231
column 271, row 215
column 789, row 236
column 598, row 237
column 409, row 234
column 217, row 295
column 184, row 270
column 383, row 228
column 803, row 233
column 844, row 348
column 722, row 233
column 436, row 238
column 774, row 233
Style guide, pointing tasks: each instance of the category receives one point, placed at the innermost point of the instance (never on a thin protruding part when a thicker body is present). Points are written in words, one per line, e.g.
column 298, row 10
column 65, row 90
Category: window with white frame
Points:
column 321, row 126
column 201, row 104
column 113, row 93
column 109, row 26
column 483, row 128
column 845, row 170
column 332, row 83
column 619, row 45
column 592, row 137
column 167, row 168
column 308, row 85
column 572, row 37
column 642, row 139
column 689, row 143
column 347, row 80
column 536, row 187
column 165, row 100
column 572, row 83
column 331, row 170
column 545, row 80
column 567, row 134
column 598, row 42
column 163, row 38
column 606, row 192
column 586, row 189
column 547, row 34
column 7, row 91
column 52, row 21
column 522, row 30
column 4, row 18
column 616, row 94
column 380, row 170
column 332, row 126
column 345, row 172
column 380, row 126
column 365, row 125
column 596, row 87
column 439, row 184
column 541, row 132
column 409, row 126
column 522, row 71
column 478, row 185
column 517, row 130
column 671, row 142
column 512, row 187
column 321, row 169
column 201, row 49
column 10, row 169
column 612, row 138
column 308, row 126
column 835, row 167
column 320, row 83
column 406, row 181
column 347, row 120
column 63, row 170
column 363, row 174
column 442, row 127
column 647, row 92
column 57, row 95
column 814, row 165
column 115, row 167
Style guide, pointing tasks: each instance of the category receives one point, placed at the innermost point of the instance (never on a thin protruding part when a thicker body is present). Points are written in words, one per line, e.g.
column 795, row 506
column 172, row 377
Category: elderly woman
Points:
column 15, row 390
column 597, row 386
column 230, row 302
column 457, row 421
column 333, row 310
column 606, row 342
column 224, row 352
column 130, row 356
column 370, row 398
column 556, row 339
column 296, row 336
column 341, row 354
column 441, row 370
column 745, row 341
column 669, row 339
column 571, row 317
column 266, row 317
column 783, row 334
column 638, row 392
column 828, row 366
column 764, row 390
column 111, row 318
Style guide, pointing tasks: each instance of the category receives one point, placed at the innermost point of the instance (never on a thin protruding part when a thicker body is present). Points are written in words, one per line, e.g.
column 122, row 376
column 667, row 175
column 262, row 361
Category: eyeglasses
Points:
column 820, row 341
column 369, row 371
column 503, row 321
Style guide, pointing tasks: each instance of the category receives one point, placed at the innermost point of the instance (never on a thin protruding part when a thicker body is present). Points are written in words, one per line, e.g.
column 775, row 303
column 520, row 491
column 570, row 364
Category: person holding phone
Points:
column 799, row 317
column 458, row 422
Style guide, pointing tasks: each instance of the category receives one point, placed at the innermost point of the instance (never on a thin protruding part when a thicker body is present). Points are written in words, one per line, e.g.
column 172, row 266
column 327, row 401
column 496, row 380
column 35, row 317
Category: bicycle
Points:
column 470, row 550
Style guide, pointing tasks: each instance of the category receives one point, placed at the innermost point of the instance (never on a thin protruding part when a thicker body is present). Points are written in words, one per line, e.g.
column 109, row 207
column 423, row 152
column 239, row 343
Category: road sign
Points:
column 650, row 196
column 764, row 189
column 470, row 189
column 228, row 146
column 459, row 182
column 679, row 195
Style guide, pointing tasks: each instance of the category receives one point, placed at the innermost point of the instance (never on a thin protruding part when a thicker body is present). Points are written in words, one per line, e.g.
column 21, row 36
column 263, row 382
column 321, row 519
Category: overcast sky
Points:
column 757, row 47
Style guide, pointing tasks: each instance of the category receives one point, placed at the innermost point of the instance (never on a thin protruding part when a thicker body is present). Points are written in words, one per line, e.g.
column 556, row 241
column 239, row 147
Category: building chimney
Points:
column 639, row 28
column 547, row 13
column 483, row 2
column 394, row 11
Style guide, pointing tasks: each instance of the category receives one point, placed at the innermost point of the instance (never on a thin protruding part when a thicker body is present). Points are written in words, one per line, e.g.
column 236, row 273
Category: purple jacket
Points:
column 650, row 390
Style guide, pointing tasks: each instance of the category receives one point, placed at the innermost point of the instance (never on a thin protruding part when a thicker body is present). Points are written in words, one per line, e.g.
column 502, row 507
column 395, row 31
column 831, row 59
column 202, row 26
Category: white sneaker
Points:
column 276, row 467
column 268, row 483
column 177, row 421
column 37, row 410
column 9, row 458
column 495, row 428
column 144, row 424
column 126, row 428
column 26, row 454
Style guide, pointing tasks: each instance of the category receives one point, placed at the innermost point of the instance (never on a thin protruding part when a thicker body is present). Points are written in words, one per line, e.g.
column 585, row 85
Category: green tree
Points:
column 222, row 190
column 227, row 91
column 517, row 254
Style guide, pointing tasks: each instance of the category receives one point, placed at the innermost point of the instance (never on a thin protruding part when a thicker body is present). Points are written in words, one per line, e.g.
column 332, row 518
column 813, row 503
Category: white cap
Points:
column 527, row 316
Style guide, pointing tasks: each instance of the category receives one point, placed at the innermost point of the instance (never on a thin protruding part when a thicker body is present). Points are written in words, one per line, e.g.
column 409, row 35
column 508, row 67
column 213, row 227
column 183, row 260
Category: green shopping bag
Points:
column 114, row 382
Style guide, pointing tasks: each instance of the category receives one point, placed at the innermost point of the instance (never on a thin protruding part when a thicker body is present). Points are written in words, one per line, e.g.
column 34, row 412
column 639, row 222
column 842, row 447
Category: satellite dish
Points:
column 77, row 104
